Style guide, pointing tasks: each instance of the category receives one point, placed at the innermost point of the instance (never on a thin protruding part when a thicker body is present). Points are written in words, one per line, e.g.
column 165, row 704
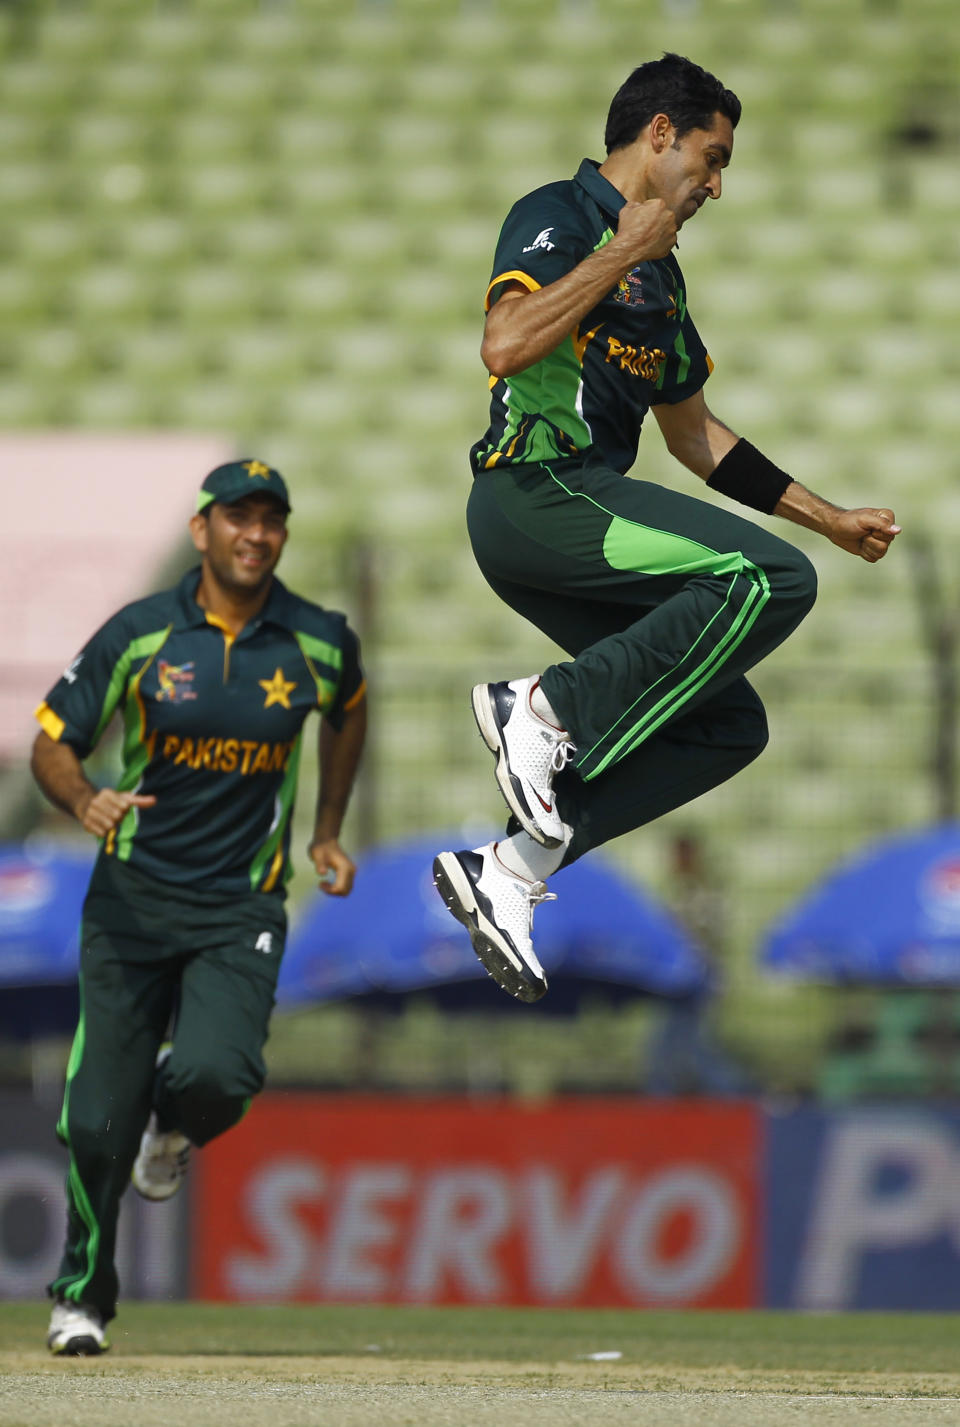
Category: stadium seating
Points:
column 275, row 221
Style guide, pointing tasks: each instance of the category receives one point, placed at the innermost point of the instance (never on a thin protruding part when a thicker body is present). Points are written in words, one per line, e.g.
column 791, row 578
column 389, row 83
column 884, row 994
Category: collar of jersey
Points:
column 600, row 189
column 277, row 610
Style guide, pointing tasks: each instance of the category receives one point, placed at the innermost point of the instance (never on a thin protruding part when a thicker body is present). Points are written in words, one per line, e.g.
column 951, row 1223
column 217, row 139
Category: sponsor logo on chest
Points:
column 646, row 362
column 245, row 756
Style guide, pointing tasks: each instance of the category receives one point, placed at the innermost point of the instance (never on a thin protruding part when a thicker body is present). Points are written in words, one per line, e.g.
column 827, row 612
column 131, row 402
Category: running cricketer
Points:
column 184, row 919
column 662, row 601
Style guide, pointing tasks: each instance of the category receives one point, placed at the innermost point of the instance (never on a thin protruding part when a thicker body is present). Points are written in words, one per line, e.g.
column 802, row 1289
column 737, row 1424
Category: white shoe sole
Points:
column 508, row 969
column 79, row 1345
column 507, row 782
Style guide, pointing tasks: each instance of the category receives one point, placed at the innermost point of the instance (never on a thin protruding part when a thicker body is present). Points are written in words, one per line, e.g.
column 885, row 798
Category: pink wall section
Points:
column 90, row 519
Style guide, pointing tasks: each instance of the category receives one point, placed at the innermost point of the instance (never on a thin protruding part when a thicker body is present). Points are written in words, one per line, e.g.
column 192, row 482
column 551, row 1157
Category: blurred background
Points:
column 265, row 228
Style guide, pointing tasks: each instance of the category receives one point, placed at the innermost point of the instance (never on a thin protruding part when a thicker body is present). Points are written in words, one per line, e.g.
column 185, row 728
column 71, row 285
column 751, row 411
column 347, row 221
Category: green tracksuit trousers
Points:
column 664, row 602
column 152, row 954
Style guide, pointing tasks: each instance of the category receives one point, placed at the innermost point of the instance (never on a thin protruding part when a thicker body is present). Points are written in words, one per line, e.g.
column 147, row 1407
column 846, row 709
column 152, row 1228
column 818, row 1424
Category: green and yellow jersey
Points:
column 211, row 727
column 636, row 348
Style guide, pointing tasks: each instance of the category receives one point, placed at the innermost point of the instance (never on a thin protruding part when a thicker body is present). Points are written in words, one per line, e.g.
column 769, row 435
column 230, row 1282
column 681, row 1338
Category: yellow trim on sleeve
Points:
column 709, row 363
column 529, row 283
column 354, row 699
column 51, row 723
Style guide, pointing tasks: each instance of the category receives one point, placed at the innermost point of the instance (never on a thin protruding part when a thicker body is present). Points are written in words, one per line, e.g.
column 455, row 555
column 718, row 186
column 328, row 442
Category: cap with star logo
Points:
column 236, row 479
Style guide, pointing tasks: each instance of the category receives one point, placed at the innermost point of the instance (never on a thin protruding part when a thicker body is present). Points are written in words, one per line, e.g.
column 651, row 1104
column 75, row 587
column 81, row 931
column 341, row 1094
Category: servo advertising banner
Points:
column 602, row 1202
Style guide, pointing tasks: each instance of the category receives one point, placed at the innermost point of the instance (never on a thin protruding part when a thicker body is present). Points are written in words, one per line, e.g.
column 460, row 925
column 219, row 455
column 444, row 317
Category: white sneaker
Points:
column 496, row 906
column 529, row 751
column 76, row 1330
column 162, row 1163
column 164, row 1157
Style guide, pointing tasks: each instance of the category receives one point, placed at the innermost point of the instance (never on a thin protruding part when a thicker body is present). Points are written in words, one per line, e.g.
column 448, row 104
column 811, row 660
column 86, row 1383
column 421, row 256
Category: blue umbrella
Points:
column 394, row 935
column 890, row 917
column 41, row 896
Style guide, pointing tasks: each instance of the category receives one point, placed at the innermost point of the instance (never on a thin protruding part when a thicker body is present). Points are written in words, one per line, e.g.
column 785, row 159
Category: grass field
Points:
column 430, row 1367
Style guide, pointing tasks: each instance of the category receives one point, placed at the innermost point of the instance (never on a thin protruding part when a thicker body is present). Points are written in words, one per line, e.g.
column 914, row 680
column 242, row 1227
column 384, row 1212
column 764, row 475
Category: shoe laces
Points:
column 562, row 753
column 538, row 893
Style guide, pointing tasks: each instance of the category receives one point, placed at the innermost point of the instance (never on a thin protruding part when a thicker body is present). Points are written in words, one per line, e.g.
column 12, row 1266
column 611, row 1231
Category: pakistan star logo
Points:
column 256, row 468
column 278, row 690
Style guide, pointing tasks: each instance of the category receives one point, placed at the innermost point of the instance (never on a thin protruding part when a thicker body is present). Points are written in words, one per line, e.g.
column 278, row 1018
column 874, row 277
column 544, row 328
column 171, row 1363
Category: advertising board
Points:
column 599, row 1202
column 152, row 1239
column 863, row 1209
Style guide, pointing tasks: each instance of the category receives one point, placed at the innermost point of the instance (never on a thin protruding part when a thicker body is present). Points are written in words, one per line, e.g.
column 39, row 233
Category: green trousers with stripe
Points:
column 151, row 955
column 664, row 602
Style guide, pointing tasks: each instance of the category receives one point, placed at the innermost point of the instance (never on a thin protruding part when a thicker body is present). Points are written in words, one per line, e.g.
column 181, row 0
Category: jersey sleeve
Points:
column 79, row 706
column 541, row 240
column 352, row 686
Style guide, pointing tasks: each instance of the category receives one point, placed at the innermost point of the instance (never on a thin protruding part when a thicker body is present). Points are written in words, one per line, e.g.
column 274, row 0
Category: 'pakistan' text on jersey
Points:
column 638, row 347
column 211, row 727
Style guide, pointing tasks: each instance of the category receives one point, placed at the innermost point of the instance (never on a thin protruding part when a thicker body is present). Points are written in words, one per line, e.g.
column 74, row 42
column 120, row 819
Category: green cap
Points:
column 237, row 479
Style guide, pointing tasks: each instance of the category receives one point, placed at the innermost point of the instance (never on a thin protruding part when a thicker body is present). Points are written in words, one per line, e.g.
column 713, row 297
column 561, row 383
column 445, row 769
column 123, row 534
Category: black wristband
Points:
column 746, row 475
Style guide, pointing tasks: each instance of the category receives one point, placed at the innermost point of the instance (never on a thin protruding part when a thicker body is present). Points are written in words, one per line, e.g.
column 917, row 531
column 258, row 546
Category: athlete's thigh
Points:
column 573, row 622
column 227, row 991
column 528, row 530
column 590, row 531
column 637, row 512
column 127, row 997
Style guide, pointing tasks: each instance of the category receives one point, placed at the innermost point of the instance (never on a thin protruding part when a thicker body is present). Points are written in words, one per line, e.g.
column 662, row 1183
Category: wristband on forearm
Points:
column 746, row 475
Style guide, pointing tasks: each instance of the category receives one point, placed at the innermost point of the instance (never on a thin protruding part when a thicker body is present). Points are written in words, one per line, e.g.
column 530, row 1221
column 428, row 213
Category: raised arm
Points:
column 59, row 775
column 339, row 758
column 701, row 442
column 525, row 326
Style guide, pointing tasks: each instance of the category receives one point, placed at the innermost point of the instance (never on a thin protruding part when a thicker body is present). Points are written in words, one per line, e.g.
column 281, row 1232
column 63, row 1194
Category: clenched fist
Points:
column 865, row 532
column 648, row 230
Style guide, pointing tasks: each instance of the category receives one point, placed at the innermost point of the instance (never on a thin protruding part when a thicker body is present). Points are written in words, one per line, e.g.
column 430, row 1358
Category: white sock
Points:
column 542, row 706
column 525, row 857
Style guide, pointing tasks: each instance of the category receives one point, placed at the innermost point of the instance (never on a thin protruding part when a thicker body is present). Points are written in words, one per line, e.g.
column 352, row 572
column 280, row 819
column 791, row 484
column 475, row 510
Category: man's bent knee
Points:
column 204, row 1099
column 797, row 581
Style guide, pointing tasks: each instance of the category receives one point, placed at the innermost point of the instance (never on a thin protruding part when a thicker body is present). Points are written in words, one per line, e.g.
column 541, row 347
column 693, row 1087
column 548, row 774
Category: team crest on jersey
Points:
column 278, row 689
column 630, row 289
column 175, row 683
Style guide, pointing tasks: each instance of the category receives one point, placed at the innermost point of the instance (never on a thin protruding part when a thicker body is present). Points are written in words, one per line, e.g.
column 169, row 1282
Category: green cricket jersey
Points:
column 212, row 727
column 638, row 346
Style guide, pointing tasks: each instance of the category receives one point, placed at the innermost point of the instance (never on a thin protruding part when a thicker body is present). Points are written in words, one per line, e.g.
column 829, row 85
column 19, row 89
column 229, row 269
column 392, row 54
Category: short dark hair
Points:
column 674, row 86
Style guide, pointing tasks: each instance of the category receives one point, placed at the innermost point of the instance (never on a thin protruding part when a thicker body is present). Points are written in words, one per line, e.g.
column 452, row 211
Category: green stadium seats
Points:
column 276, row 222
column 140, row 85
